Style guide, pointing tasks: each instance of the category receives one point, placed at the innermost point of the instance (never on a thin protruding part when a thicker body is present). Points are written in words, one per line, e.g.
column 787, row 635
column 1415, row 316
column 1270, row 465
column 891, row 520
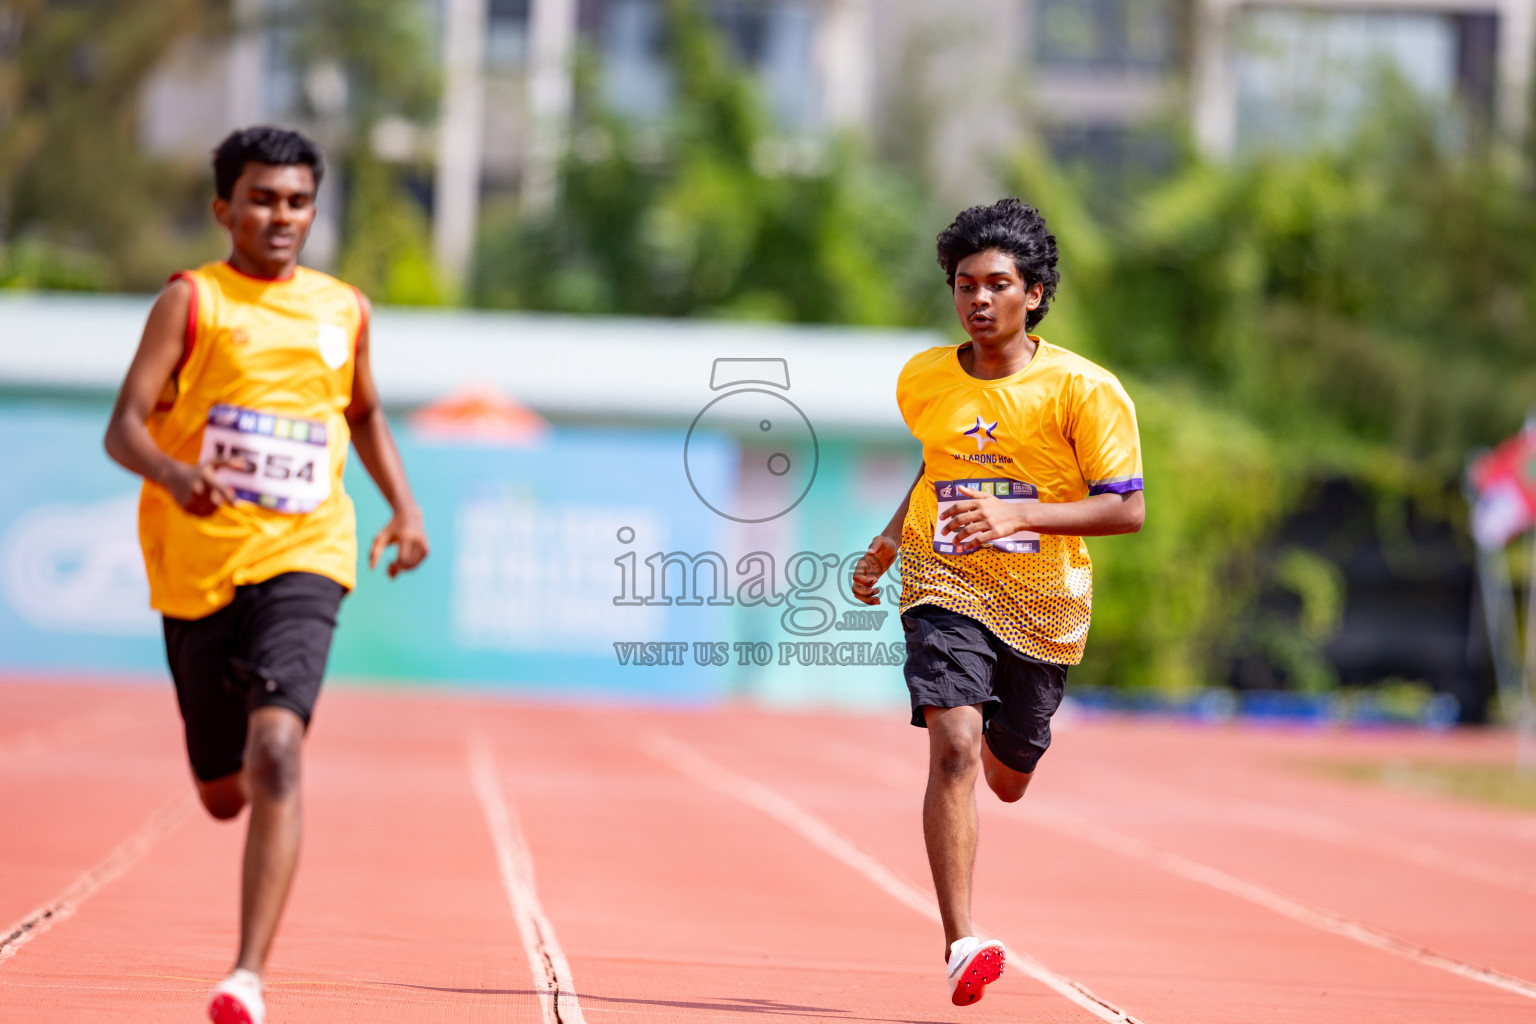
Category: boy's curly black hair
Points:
column 262, row 145
column 1009, row 226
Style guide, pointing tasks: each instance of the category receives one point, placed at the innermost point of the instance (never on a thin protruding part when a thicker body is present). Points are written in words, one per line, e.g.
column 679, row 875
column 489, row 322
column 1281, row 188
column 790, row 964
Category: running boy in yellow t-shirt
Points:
column 1027, row 449
column 250, row 379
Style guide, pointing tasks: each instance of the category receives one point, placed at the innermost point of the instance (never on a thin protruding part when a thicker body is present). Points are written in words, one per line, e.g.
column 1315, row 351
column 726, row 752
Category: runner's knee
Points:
column 954, row 744
column 953, row 758
column 272, row 761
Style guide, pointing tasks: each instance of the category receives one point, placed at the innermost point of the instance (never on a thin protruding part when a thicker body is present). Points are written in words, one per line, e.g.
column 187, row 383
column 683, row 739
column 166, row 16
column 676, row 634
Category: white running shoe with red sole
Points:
column 973, row 965
column 237, row 1000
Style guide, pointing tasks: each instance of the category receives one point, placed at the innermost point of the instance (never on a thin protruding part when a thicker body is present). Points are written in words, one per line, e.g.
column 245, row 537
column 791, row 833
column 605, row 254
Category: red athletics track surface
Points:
column 745, row 866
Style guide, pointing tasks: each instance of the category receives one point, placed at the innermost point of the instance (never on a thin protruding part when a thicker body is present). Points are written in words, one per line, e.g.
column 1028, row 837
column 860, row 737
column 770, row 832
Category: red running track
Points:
column 469, row 859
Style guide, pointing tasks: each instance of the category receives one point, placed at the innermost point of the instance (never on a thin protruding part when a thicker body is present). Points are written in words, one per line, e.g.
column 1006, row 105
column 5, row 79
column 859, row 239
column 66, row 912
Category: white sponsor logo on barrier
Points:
column 540, row 577
column 76, row 568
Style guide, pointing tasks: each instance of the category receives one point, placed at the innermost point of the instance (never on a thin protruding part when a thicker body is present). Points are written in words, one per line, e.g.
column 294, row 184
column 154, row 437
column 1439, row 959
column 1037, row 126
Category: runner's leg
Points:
column 287, row 623
column 272, row 769
column 949, row 811
column 214, row 711
column 1008, row 783
column 223, row 797
column 1017, row 735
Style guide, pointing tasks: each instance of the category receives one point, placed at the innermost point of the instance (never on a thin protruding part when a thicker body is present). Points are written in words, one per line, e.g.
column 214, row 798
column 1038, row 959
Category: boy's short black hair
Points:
column 262, row 145
column 1008, row 226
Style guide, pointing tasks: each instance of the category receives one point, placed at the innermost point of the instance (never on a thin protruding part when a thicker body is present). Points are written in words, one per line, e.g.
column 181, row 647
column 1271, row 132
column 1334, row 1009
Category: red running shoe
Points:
column 237, row 1000
column 973, row 965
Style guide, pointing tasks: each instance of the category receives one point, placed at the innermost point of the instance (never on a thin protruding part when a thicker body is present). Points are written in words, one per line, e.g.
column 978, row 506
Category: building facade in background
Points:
column 1114, row 85
column 1287, row 72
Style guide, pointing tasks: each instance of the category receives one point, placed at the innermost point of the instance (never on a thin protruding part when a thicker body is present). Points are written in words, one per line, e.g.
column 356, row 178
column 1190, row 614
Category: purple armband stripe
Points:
column 1125, row 485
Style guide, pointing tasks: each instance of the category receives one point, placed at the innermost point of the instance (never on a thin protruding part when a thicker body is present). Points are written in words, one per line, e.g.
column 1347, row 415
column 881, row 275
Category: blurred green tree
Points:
column 1365, row 312
column 367, row 65
column 81, row 204
column 714, row 212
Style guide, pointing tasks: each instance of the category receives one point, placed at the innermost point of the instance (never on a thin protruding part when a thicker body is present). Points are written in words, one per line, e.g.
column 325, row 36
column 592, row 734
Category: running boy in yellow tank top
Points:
column 251, row 378
column 1027, row 449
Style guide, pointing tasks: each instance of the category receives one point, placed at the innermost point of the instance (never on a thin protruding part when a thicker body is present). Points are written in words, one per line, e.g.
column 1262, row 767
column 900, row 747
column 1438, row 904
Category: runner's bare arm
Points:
column 376, row 448
column 128, row 442
column 985, row 517
column 882, row 551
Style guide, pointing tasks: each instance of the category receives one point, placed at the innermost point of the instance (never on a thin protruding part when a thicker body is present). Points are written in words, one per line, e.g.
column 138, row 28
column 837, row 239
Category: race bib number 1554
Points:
column 277, row 462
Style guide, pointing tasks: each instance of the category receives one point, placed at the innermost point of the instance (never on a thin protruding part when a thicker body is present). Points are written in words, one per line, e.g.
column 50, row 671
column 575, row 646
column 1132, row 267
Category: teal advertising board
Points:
column 587, row 564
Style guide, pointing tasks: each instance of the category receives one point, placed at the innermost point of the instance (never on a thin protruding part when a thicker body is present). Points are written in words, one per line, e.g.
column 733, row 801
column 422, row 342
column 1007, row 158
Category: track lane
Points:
column 398, row 909
column 547, row 963
column 678, row 904
column 136, row 847
column 1405, row 893
column 1273, row 764
column 828, row 838
column 1088, row 911
column 1177, row 803
column 675, row 902
column 33, row 707
column 396, row 914
column 82, row 768
column 1380, row 857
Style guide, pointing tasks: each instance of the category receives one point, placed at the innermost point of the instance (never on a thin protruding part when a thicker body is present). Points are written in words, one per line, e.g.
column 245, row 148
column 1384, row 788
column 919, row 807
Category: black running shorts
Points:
column 954, row 661
column 266, row 648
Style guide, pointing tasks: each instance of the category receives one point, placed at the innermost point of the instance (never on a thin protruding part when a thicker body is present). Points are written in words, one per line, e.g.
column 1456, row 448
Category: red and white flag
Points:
column 1504, row 490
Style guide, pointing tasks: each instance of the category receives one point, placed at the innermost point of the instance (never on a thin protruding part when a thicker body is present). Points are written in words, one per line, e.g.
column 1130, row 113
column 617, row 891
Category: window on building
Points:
column 1110, row 159
column 632, row 44
column 773, row 38
column 506, row 33
column 1477, row 39
column 777, row 40
column 281, row 88
column 1305, row 77
column 1107, row 35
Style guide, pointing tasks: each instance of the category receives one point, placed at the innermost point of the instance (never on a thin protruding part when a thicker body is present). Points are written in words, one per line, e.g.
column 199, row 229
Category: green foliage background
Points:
column 1360, row 313
column 713, row 213
column 82, row 206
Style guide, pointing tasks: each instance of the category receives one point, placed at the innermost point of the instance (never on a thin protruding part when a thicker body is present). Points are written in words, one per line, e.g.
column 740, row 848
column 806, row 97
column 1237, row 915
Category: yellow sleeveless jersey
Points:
column 1061, row 429
column 265, row 384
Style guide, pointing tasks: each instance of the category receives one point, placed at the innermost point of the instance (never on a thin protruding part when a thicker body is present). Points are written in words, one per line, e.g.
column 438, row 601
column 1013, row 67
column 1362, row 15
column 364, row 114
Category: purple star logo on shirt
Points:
column 982, row 432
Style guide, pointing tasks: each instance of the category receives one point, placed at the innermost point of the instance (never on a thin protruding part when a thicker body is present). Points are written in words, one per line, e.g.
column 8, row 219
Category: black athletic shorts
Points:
column 266, row 648
column 954, row 661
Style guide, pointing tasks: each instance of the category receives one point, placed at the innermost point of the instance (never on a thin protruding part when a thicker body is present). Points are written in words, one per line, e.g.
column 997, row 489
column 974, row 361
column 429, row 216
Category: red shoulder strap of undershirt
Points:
column 190, row 337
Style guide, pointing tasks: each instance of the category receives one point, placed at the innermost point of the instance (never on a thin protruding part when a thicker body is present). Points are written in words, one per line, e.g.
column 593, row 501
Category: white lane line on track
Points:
column 1325, row 920
column 701, row 769
column 127, row 854
column 1321, row 828
column 1105, row 837
column 546, row 960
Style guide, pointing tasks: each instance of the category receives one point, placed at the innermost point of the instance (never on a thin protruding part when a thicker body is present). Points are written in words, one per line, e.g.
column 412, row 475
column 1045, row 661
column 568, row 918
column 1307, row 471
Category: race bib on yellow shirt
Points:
column 278, row 462
column 948, row 493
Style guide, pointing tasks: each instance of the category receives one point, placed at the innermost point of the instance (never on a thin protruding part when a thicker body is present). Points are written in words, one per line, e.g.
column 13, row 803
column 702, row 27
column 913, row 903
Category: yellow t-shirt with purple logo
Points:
column 1061, row 429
